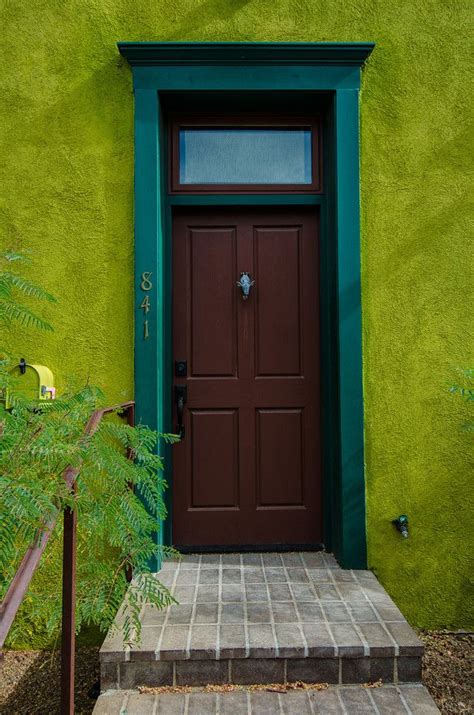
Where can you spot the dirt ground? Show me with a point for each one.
(448, 670)
(29, 681)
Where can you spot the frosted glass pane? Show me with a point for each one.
(245, 156)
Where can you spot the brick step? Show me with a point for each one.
(247, 671)
(386, 700)
(259, 618)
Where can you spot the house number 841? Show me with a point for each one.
(145, 305)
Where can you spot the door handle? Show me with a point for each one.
(181, 397)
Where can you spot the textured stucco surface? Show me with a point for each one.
(66, 113)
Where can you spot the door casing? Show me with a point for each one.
(332, 68)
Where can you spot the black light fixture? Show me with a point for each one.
(401, 524)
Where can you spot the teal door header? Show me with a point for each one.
(176, 66)
(254, 67)
(246, 53)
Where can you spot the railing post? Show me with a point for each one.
(22, 578)
(68, 646)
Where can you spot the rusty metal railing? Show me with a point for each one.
(22, 578)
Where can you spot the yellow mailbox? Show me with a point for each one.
(34, 382)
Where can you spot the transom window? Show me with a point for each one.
(234, 157)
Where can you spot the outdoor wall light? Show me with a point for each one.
(401, 523)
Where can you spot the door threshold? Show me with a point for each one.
(248, 548)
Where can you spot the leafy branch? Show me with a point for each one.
(11, 285)
(119, 500)
(116, 523)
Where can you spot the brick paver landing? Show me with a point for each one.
(260, 618)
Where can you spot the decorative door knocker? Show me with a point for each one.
(245, 283)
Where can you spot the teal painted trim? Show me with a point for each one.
(328, 343)
(340, 271)
(245, 53)
(148, 257)
(351, 492)
(326, 373)
(246, 200)
(166, 356)
(223, 78)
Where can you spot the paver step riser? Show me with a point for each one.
(337, 700)
(248, 671)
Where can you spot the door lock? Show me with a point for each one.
(181, 368)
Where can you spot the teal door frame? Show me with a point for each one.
(333, 68)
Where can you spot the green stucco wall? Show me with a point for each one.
(66, 177)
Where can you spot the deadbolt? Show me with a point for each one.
(180, 368)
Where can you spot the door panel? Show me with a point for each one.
(213, 317)
(277, 272)
(279, 448)
(248, 469)
(215, 459)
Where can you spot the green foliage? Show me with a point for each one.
(116, 523)
(11, 285)
(118, 498)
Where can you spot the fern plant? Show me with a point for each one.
(118, 500)
(12, 285)
(116, 523)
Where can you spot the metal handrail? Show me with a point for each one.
(22, 578)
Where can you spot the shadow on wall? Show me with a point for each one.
(203, 15)
(349, 301)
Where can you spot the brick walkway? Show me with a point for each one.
(259, 618)
(343, 700)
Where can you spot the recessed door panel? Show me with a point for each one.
(213, 315)
(277, 253)
(247, 471)
(279, 450)
(215, 460)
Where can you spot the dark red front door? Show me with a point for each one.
(247, 471)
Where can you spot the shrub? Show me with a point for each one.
(119, 500)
